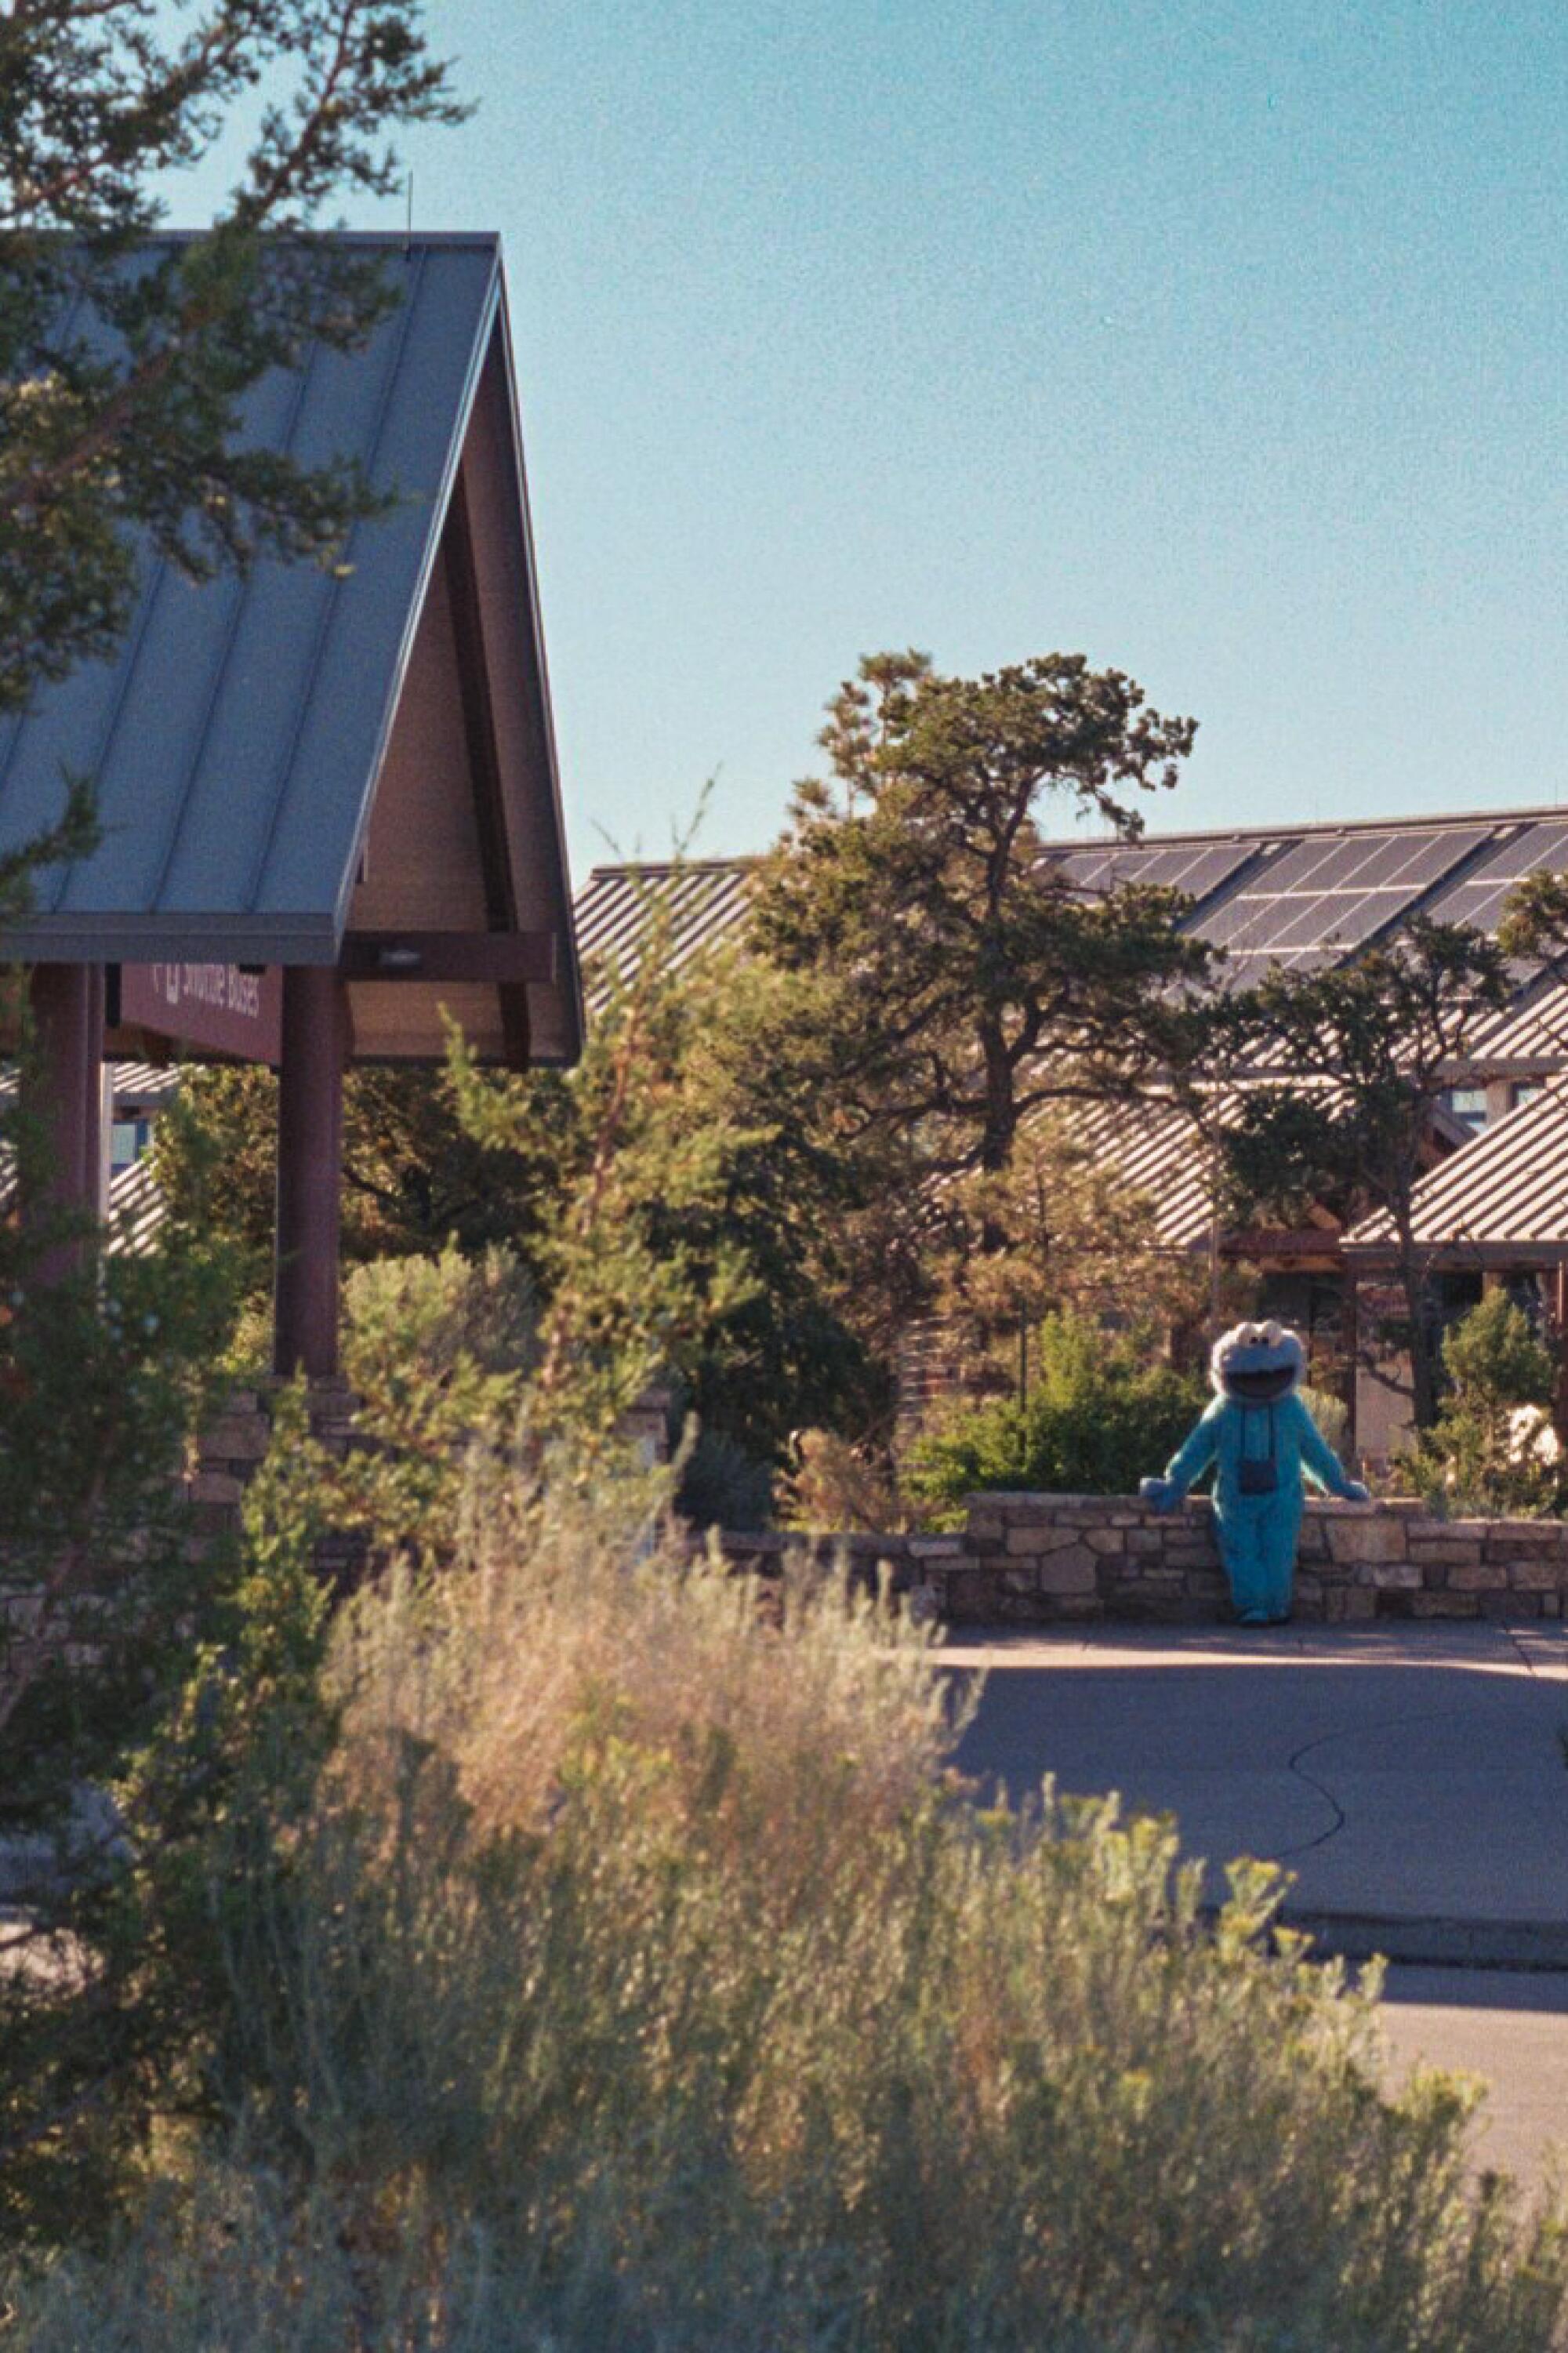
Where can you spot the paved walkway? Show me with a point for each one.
(1510, 2029)
(1411, 1777)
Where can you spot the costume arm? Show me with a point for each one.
(1193, 1459)
(1320, 1461)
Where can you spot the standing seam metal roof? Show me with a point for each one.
(1502, 1189)
(1156, 1151)
(708, 902)
(1506, 1193)
(237, 734)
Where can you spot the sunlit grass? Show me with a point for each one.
(640, 1982)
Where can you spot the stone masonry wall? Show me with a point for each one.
(1032, 1559)
(211, 1493)
(213, 1490)
(1041, 1560)
(231, 1450)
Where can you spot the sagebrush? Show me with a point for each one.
(625, 1969)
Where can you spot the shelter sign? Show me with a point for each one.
(216, 1008)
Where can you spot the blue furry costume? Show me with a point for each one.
(1262, 1438)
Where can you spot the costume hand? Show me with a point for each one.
(1159, 1493)
(1352, 1492)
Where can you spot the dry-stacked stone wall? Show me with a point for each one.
(1042, 1560)
(211, 1492)
(233, 1448)
(1025, 1559)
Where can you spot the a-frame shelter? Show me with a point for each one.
(328, 800)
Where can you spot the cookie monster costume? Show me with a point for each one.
(1262, 1438)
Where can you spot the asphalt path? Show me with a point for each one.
(1411, 1778)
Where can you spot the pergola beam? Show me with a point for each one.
(507, 959)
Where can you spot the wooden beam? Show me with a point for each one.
(508, 959)
(310, 1169)
(1283, 1245)
(1350, 1344)
(484, 755)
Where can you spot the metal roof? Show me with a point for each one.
(136, 1208)
(1476, 898)
(1152, 1148)
(136, 1086)
(1502, 1199)
(706, 900)
(238, 734)
(1201, 868)
(1321, 897)
(1301, 896)
(1527, 1039)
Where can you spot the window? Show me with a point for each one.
(128, 1140)
(1467, 1105)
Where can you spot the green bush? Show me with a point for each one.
(1492, 1449)
(626, 1975)
(1101, 1416)
(722, 1486)
(107, 1373)
(433, 1312)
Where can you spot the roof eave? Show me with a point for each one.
(436, 525)
(247, 939)
(1448, 1257)
(568, 983)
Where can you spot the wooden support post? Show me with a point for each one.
(310, 1169)
(64, 1092)
(1560, 1320)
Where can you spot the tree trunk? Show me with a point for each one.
(1001, 1115)
(1422, 1355)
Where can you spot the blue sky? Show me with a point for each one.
(1226, 342)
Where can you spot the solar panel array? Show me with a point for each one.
(1199, 867)
(1297, 899)
(1326, 894)
(1477, 897)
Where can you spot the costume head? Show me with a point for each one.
(1257, 1364)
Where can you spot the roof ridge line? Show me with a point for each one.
(1284, 830)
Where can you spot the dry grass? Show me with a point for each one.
(551, 1650)
(638, 1983)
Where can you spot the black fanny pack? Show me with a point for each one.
(1258, 1474)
